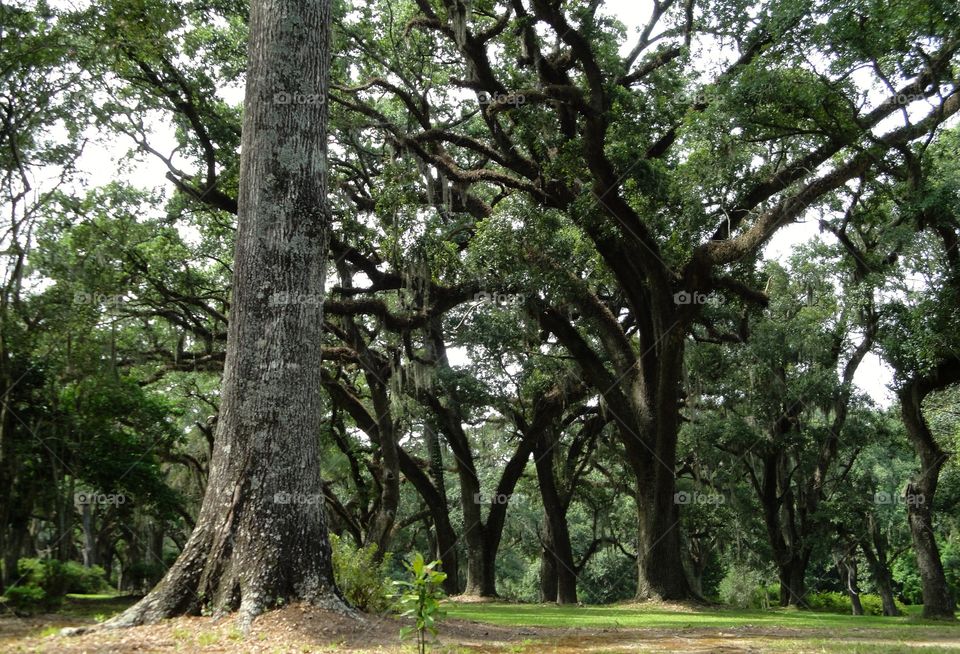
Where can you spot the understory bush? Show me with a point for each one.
(26, 600)
(42, 583)
(360, 576)
(746, 588)
(88, 581)
(836, 602)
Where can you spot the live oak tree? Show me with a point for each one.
(673, 182)
(38, 91)
(920, 341)
(791, 431)
(260, 539)
(452, 174)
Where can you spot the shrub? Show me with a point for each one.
(41, 586)
(26, 600)
(48, 574)
(834, 602)
(360, 576)
(829, 602)
(44, 582)
(88, 581)
(745, 588)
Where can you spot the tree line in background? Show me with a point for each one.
(554, 355)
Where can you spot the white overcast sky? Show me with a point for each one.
(101, 164)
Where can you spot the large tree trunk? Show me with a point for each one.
(659, 560)
(791, 574)
(548, 570)
(937, 602)
(261, 539)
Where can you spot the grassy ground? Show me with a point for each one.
(499, 628)
(672, 616)
(666, 627)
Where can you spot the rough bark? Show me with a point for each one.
(260, 539)
(659, 561)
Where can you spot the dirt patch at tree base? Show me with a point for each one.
(297, 628)
(301, 628)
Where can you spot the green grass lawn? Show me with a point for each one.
(615, 629)
(99, 607)
(643, 617)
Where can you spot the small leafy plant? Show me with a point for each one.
(361, 577)
(420, 599)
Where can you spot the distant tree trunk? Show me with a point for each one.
(153, 554)
(497, 516)
(470, 504)
(791, 574)
(847, 567)
(874, 550)
(260, 538)
(482, 540)
(388, 470)
(548, 571)
(695, 563)
(435, 460)
(937, 602)
(89, 536)
(557, 535)
(13, 547)
(63, 546)
(783, 533)
(132, 578)
(105, 550)
(440, 515)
